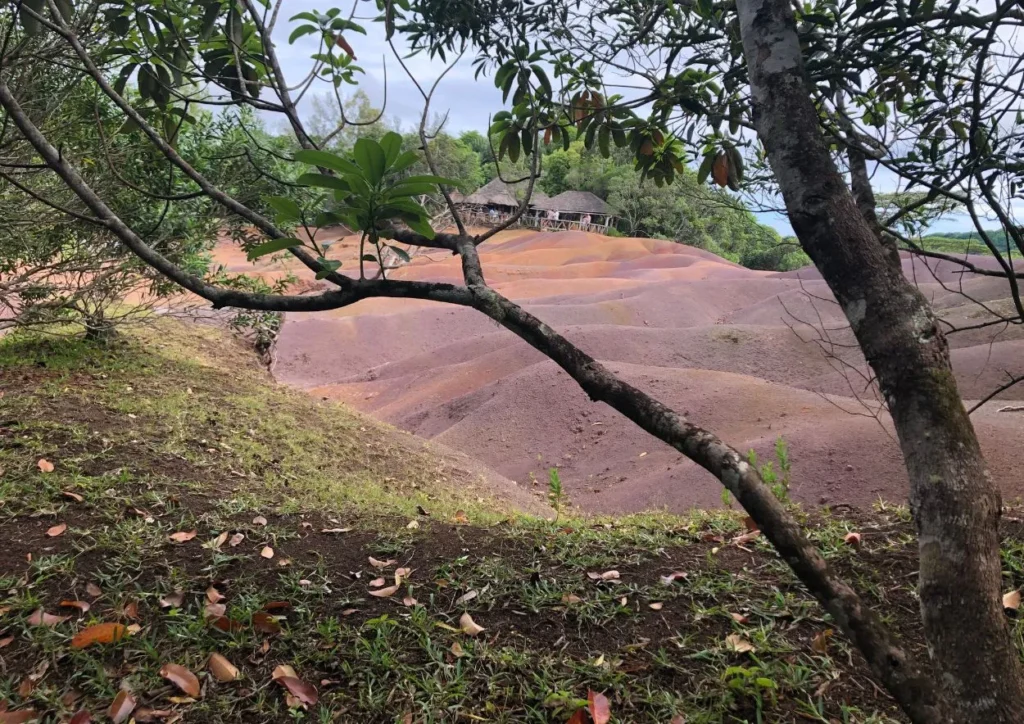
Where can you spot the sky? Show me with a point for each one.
(468, 102)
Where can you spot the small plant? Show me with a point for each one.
(555, 494)
(750, 682)
(777, 481)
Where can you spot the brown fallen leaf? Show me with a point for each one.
(283, 670)
(1011, 600)
(183, 535)
(469, 626)
(222, 669)
(259, 520)
(671, 578)
(57, 530)
(377, 582)
(172, 600)
(606, 576)
(409, 601)
(750, 524)
(349, 611)
(461, 517)
(213, 595)
(130, 610)
(236, 539)
(81, 717)
(656, 606)
(93, 590)
(457, 650)
(214, 610)
(225, 624)
(217, 542)
(305, 693)
(579, 717)
(18, 717)
(122, 707)
(385, 592)
(39, 617)
(101, 633)
(852, 540)
(571, 598)
(740, 618)
(82, 606)
(144, 714)
(267, 552)
(182, 678)
(26, 687)
(69, 698)
(402, 573)
(277, 606)
(45, 465)
(413, 525)
(742, 540)
(72, 496)
(819, 644)
(134, 628)
(6, 641)
(265, 623)
(382, 564)
(466, 597)
(737, 643)
(600, 708)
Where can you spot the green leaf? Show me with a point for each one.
(421, 226)
(300, 31)
(285, 207)
(391, 144)
(402, 253)
(272, 246)
(325, 159)
(404, 161)
(327, 267)
(322, 180)
(705, 168)
(370, 157)
(406, 189)
(370, 257)
(603, 139)
(428, 179)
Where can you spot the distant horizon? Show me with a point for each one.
(949, 223)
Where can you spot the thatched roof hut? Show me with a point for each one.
(498, 193)
(576, 202)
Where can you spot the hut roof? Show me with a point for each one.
(498, 193)
(576, 202)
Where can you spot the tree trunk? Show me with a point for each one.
(955, 503)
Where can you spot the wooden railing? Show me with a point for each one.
(444, 220)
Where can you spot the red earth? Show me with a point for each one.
(740, 352)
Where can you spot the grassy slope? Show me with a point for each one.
(175, 429)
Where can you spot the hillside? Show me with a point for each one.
(740, 351)
(177, 529)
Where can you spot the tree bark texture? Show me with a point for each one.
(955, 502)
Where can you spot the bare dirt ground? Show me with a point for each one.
(739, 351)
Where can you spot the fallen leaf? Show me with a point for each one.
(469, 626)
(413, 525)
(172, 600)
(578, 717)
(236, 539)
(671, 578)
(26, 687)
(740, 618)
(82, 606)
(283, 670)
(606, 576)
(214, 610)
(1011, 600)
(466, 597)
(217, 542)
(122, 707)
(349, 611)
(6, 641)
(222, 669)
(72, 496)
(18, 717)
(678, 719)
(225, 624)
(335, 531)
(623, 601)
(741, 540)
(656, 606)
(267, 552)
(385, 592)
(101, 633)
(131, 610)
(183, 535)
(600, 709)
(409, 601)
(45, 465)
(265, 622)
(819, 643)
(69, 698)
(457, 650)
(571, 598)
(134, 628)
(422, 511)
(461, 517)
(382, 564)
(852, 539)
(259, 520)
(145, 714)
(81, 717)
(401, 574)
(750, 524)
(737, 643)
(213, 595)
(57, 530)
(377, 582)
(182, 678)
(277, 606)
(306, 693)
(40, 618)
(93, 590)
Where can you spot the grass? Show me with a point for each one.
(175, 429)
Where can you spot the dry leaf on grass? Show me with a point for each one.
(236, 539)
(214, 610)
(413, 525)
(571, 598)
(606, 576)
(737, 643)
(852, 540)
(213, 595)
(277, 606)
(377, 582)
(267, 552)
(6, 641)
(1011, 600)
(409, 601)
(81, 717)
(740, 618)
(57, 530)
(382, 564)
(172, 600)
(671, 578)
(461, 517)
(742, 540)
(283, 670)
(259, 520)
(303, 692)
(335, 531)
(122, 707)
(39, 617)
(72, 496)
(82, 606)
(466, 597)
(18, 717)
(265, 623)
(222, 669)
(93, 590)
(144, 715)
(457, 650)
(217, 542)
(819, 644)
(101, 633)
(182, 678)
(182, 536)
(600, 709)
(45, 465)
(131, 610)
(386, 592)
(469, 626)
(656, 606)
